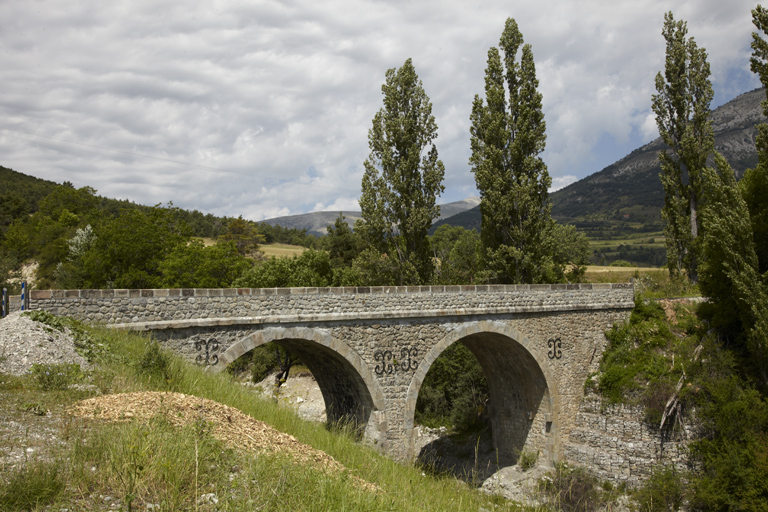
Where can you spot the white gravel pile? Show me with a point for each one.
(24, 342)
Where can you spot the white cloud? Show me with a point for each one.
(263, 109)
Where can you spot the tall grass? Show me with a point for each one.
(187, 469)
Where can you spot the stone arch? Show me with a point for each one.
(524, 404)
(349, 389)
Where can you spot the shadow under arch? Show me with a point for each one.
(347, 384)
(524, 403)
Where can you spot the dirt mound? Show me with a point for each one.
(229, 425)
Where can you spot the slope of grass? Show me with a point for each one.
(186, 468)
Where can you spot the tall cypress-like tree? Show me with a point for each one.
(754, 183)
(682, 115)
(508, 135)
(403, 176)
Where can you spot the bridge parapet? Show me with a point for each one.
(178, 308)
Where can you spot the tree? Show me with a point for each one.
(129, 249)
(193, 265)
(342, 244)
(403, 175)
(682, 115)
(244, 235)
(508, 135)
(754, 183)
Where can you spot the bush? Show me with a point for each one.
(662, 492)
(56, 377)
(158, 365)
(572, 489)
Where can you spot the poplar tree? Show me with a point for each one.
(403, 177)
(682, 116)
(508, 135)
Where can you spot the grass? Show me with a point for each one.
(281, 250)
(186, 468)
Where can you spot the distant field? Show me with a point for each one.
(599, 274)
(281, 250)
(276, 250)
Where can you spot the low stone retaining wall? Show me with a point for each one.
(614, 442)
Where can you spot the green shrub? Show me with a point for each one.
(56, 377)
(527, 459)
(158, 365)
(572, 489)
(662, 492)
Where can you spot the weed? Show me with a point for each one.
(34, 484)
(56, 377)
(527, 459)
(572, 489)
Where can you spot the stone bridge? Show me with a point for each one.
(371, 348)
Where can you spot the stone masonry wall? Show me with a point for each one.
(614, 442)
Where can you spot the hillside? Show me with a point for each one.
(316, 222)
(632, 187)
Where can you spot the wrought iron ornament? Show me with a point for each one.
(555, 348)
(211, 346)
(390, 365)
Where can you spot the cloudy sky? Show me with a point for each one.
(262, 107)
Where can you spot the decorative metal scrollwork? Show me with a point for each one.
(409, 355)
(384, 367)
(555, 348)
(389, 364)
(210, 358)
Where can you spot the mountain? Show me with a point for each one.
(632, 187)
(316, 223)
(629, 191)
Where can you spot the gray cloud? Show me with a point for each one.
(263, 109)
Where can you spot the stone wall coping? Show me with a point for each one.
(358, 315)
(360, 290)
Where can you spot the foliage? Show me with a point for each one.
(244, 235)
(527, 459)
(572, 489)
(158, 365)
(570, 250)
(195, 266)
(636, 362)
(682, 115)
(129, 249)
(403, 176)
(664, 491)
(732, 453)
(342, 244)
(456, 252)
(508, 135)
(8, 274)
(53, 377)
(372, 268)
(454, 392)
(311, 268)
(728, 249)
(293, 236)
